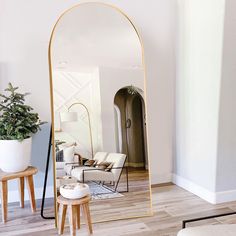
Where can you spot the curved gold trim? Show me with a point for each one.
(89, 120)
(52, 107)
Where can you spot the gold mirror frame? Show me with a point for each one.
(52, 105)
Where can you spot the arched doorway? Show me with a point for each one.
(131, 126)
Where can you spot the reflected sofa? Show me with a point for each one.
(85, 173)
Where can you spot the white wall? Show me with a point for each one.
(83, 87)
(199, 54)
(25, 27)
(226, 174)
(111, 81)
(97, 91)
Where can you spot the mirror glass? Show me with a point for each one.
(99, 110)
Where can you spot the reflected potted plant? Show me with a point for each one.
(17, 125)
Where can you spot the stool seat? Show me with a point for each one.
(74, 213)
(8, 176)
(69, 202)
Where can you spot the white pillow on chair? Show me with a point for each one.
(68, 154)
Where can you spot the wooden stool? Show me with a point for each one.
(74, 213)
(4, 177)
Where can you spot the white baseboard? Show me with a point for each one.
(225, 196)
(205, 194)
(13, 196)
(194, 188)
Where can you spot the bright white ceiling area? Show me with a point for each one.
(92, 35)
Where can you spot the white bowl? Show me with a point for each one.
(74, 191)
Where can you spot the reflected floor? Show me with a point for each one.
(134, 203)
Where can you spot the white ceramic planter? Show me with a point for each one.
(15, 155)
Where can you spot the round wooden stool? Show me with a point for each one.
(74, 213)
(4, 177)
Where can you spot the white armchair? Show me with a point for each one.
(100, 156)
(84, 173)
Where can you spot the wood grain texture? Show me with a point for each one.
(30, 185)
(4, 193)
(134, 203)
(21, 191)
(87, 216)
(171, 205)
(72, 219)
(61, 218)
(78, 217)
(74, 206)
(73, 202)
(4, 177)
(8, 176)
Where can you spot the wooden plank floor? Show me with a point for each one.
(171, 205)
(136, 202)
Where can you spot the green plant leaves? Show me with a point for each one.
(17, 121)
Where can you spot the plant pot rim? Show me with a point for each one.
(8, 140)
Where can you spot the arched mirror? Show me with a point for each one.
(98, 110)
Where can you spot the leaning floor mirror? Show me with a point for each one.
(98, 110)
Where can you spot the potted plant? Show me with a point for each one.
(17, 125)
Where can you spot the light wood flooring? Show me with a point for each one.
(171, 205)
(134, 203)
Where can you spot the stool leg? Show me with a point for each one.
(72, 217)
(87, 217)
(30, 185)
(62, 218)
(78, 216)
(4, 200)
(21, 191)
(58, 207)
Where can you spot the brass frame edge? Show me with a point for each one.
(52, 107)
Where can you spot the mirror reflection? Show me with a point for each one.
(99, 111)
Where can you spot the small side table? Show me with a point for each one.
(74, 213)
(28, 174)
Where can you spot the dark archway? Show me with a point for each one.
(131, 127)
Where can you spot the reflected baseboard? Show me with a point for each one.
(135, 165)
(162, 185)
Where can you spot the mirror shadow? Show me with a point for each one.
(99, 110)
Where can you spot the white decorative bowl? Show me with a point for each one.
(74, 191)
